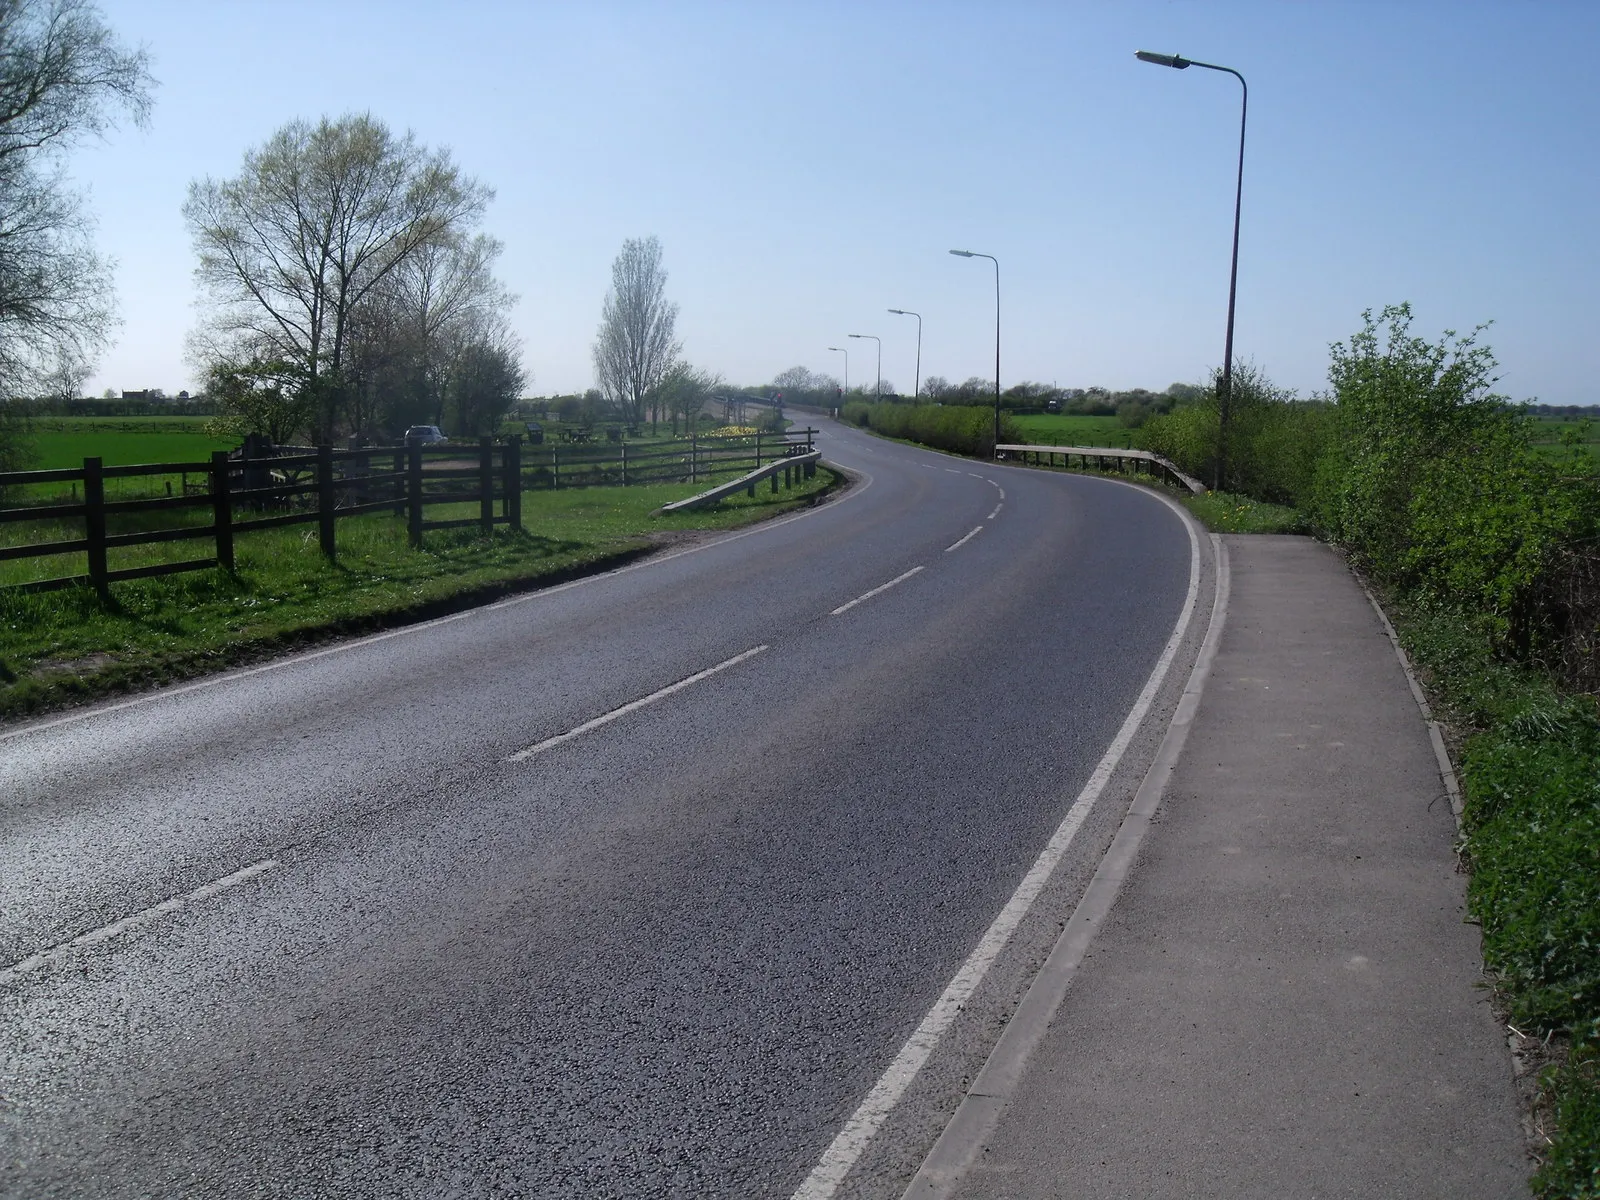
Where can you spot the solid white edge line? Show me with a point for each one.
(868, 1118)
(634, 705)
(976, 1116)
(421, 626)
(134, 921)
(964, 540)
(882, 587)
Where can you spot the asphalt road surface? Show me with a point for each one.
(633, 887)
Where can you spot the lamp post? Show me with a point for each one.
(1225, 400)
(846, 353)
(878, 394)
(996, 262)
(916, 386)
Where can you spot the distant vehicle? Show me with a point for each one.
(1052, 406)
(426, 434)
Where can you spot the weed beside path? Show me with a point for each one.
(58, 648)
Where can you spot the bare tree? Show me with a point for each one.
(317, 220)
(64, 78)
(635, 347)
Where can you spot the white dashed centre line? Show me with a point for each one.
(882, 587)
(136, 921)
(964, 540)
(633, 706)
(996, 511)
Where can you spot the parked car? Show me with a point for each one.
(426, 434)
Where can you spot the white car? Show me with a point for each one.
(426, 434)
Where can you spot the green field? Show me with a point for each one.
(1548, 433)
(62, 442)
(1055, 429)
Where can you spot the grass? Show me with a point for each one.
(1530, 762)
(1059, 429)
(1224, 512)
(58, 647)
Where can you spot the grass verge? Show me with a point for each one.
(58, 648)
(1224, 512)
(1529, 756)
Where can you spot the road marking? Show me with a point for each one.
(633, 705)
(952, 471)
(137, 921)
(869, 1116)
(996, 511)
(964, 540)
(975, 475)
(882, 587)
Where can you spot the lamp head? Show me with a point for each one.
(854, 335)
(1178, 62)
(899, 312)
(962, 253)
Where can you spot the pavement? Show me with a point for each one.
(1285, 999)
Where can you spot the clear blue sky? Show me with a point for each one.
(807, 166)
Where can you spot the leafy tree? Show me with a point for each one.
(64, 79)
(317, 222)
(485, 379)
(684, 393)
(263, 396)
(636, 346)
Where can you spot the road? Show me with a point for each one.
(633, 887)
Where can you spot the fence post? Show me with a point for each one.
(414, 491)
(513, 458)
(399, 484)
(758, 449)
(624, 464)
(486, 484)
(325, 513)
(94, 524)
(555, 468)
(694, 456)
(221, 509)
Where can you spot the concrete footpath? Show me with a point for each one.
(1285, 1000)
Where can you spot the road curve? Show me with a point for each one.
(633, 887)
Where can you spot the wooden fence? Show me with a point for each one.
(306, 485)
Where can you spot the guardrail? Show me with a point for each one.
(791, 468)
(1102, 454)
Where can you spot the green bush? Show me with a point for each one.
(1275, 442)
(960, 429)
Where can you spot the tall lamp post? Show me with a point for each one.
(846, 353)
(996, 262)
(878, 394)
(916, 386)
(1225, 400)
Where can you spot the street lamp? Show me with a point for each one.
(879, 393)
(1225, 400)
(916, 386)
(996, 262)
(846, 354)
